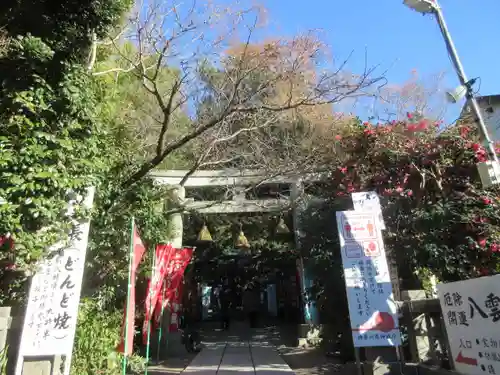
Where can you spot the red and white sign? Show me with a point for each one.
(371, 249)
(170, 298)
(368, 201)
(372, 310)
(359, 227)
(175, 276)
(163, 254)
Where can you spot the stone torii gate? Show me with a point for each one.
(239, 181)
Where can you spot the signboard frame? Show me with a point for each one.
(471, 315)
(372, 309)
(54, 297)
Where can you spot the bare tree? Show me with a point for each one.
(246, 88)
(424, 95)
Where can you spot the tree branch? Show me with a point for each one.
(93, 52)
(203, 156)
(167, 113)
(114, 70)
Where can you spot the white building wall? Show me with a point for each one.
(491, 114)
(492, 120)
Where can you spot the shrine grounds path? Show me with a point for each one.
(260, 351)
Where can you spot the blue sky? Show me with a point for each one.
(399, 38)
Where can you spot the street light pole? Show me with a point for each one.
(452, 51)
(432, 6)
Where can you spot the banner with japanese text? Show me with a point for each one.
(172, 296)
(471, 312)
(372, 310)
(173, 290)
(163, 253)
(175, 309)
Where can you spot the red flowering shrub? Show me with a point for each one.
(437, 214)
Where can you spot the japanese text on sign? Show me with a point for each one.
(372, 309)
(53, 305)
(51, 314)
(370, 202)
(471, 311)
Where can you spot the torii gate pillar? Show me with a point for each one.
(175, 223)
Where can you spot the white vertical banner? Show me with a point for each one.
(368, 201)
(52, 311)
(372, 309)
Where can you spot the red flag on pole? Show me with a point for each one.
(163, 254)
(171, 296)
(173, 290)
(137, 250)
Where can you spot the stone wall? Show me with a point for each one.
(10, 334)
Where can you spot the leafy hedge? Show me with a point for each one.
(97, 335)
(437, 213)
(52, 146)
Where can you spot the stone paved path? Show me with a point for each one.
(246, 358)
(261, 351)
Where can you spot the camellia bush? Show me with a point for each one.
(438, 215)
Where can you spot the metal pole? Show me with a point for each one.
(153, 273)
(452, 51)
(359, 366)
(129, 291)
(161, 324)
(295, 193)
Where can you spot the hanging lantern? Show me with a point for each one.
(204, 234)
(282, 228)
(241, 241)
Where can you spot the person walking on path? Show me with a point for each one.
(224, 305)
(251, 305)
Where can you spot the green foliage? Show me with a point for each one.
(65, 25)
(319, 247)
(97, 335)
(129, 113)
(424, 275)
(109, 238)
(133, 111)
(56, 139)
(269, 252)
(52, 147)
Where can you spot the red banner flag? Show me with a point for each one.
(173, 290)
(163, 254)
(137, 250)
(171, 296)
